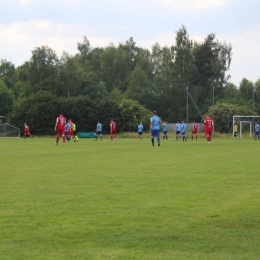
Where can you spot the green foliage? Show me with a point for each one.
(157, 79)
(246, 89)
(223, 114)
(6, 99)
(132, 113)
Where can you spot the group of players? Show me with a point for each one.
(180, 129)
(68, 130)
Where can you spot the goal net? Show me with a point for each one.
(245, 125)
(7, 130)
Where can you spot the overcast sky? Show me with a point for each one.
(60, 24)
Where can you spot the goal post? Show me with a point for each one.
(7, 130)
(243, 121)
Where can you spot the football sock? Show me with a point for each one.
(158, 140)
(63, 138)
(57, 139)
(152, 139)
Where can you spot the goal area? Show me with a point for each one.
(7, 130)
(245, 124)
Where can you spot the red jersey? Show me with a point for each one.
(61, 122)
(195, 127)
(71, 127)
(26, 128)
(113, 125)
(208, 124)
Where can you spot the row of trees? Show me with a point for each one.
(157, 79)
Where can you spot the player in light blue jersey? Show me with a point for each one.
(256, 131)
(155, 124)
(140, 130)
(99, 131)
(67, 130)
(165, 129)
(183, 131)
(178, 131)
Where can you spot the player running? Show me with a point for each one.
(208, 128)
(27, 131)
(60, 128)
(71, 132)
(194, 130)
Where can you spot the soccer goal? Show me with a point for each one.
(7, 130)
(243, 122)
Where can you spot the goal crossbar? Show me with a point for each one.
(244, 120)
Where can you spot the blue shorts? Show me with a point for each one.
(183, 133)
(178, 132)
(165, 132)
(99, 133)
(66, 133)
(140, 133)
(155, 133)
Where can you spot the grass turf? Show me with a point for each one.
(129, 200)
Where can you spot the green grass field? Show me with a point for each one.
(129, 200)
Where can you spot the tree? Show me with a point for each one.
(246, 89)
(43, 73)
(7, 74)
(138, 85)
(84, 48)
(132, 113)
(6, 99)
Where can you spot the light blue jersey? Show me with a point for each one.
(165, 127)
(99, 127)
(67, 127)
(183, 128)
(178, 127)
(155, 121)
(257, 128)
(140, 128)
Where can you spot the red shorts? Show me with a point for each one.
(71, 133)
(61, 131)
(208, 133)
(195, 132)
(113, 132)
(27, 131)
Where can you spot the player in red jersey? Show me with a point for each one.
(208, 128)
(194, 131)
(60, 128)
(113, 130)
(71, 132)
(26, 131)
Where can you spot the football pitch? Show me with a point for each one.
(129, 200)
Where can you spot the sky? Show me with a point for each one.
(61, 24)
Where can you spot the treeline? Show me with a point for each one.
(93, 84)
